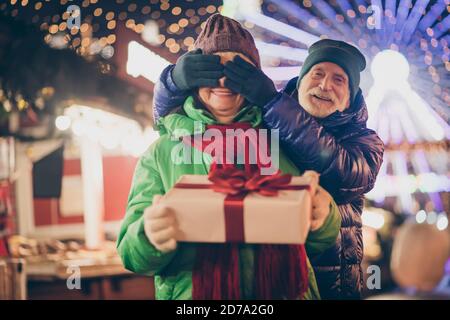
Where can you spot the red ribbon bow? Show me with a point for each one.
(233, 181)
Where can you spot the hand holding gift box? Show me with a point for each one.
(321, 202)
(228, 206)
(160, 226)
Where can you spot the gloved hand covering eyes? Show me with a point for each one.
(249, 81)
(194, 69)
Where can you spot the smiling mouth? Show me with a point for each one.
(322, 98)
(222, 92)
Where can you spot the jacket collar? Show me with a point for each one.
(192, 118)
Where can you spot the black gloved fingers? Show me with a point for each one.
(196, 51)
(210, 83)
(233, 85)
(204, 58)
(243, 73)
(209, 74)
(208, 66)
(244, 64)
(189, 54)
(230, 74)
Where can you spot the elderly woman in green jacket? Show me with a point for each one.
(184, 270)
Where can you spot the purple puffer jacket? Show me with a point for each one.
(341, 148)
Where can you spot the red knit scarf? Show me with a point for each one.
(280, 270)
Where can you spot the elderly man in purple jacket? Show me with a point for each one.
(321, 117)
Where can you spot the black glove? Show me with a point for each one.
(194, 69)
(249, 81)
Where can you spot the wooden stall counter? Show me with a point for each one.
(70, 272)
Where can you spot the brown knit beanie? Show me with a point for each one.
(225, 34)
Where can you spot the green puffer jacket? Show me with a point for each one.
(156, 173)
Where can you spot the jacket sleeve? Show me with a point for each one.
(166, 94)
(348, 167)
(137, 253)
(323, 238)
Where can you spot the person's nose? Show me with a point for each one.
(325, 84)
(222, 82)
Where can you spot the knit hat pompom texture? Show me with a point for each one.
(341, 53)
(225, 34)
